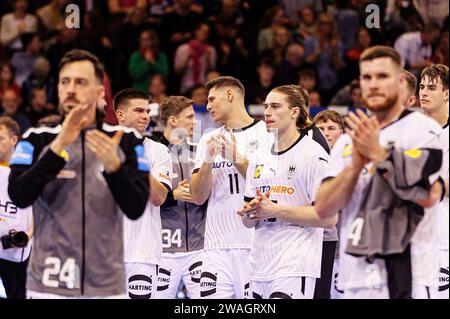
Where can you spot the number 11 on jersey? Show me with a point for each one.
(232, 183)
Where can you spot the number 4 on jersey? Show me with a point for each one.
(356, 230)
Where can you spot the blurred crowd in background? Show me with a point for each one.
(172, 47)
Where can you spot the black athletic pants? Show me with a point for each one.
(14, 276)
(323, 284)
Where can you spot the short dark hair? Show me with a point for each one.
(331, 115)
(430, 27)
(381, 51)
(308, 73)
(222, 81)
(122, 98)
(27, 37)
(10, 125)
(82, 55)
(296, 96)
(411, 81)
(172, 106)
(436, 71)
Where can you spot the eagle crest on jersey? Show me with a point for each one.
(291, 170)
(258, 170)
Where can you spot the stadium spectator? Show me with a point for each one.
(38, 106)
(195, 58)
(125, 6)
(7, 75)
(273, 18)
(147, 61)
(325, 51)
(40, 77)
(10, 104)
(307, 79)
(52, 15)
(258, 89)
(287, 71)
(416, 48)
(441, 54)
(23, 61)
(351, 69)
(307, 24)
(158, 88)
(199, 95)
(14, 24)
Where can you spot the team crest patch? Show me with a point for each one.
(291, 170)
(253, 146)
(23, 154)
(258, 170)
(141, 159)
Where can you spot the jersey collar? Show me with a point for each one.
(235, 130)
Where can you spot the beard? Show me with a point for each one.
(386, 105)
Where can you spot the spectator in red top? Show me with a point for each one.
(351, 59)
(125, 6)
(7, 76)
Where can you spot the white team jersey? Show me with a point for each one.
(293, 176)
(444, 205)
(355, 272)
(224, 228)
(143, 236)
(13, 217)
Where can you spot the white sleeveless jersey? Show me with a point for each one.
(224, 228)
(143, 236)
(444, 205)
(411, 130)
(293, 176)
(13, 217)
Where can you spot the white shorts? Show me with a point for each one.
(44, 295)
(335, 292)
(225, 274)
(442, 291)
(422, 292)
(381, 292)
(177, 267)
(141, 280)
(284, 288)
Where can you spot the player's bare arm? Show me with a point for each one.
(300, 215)
(334, 194)
(158, 192)
(201, 181)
